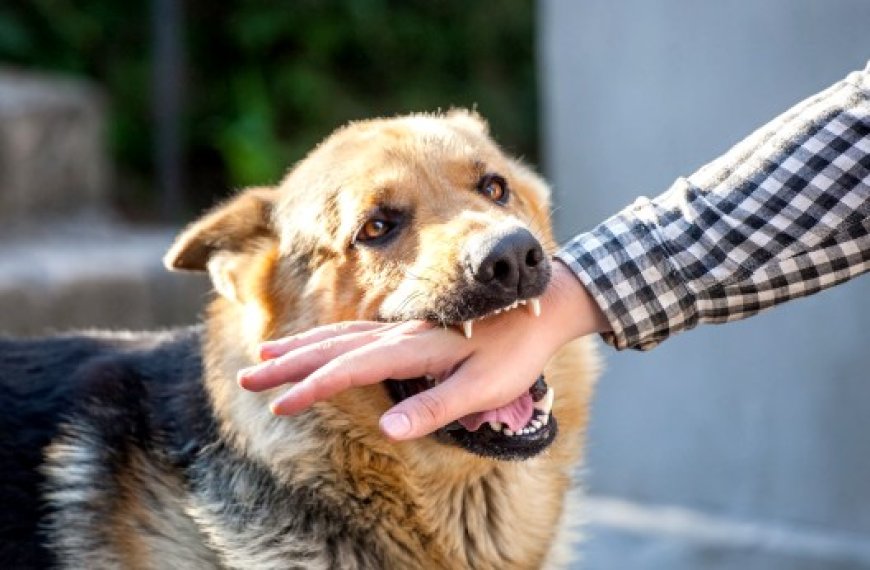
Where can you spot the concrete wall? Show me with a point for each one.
(744, 446)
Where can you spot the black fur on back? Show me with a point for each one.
(145, 393)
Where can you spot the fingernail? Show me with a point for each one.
(266, 352)
(242, 375)
(396, 425)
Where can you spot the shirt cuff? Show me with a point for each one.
(626, 269)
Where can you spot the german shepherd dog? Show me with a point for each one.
(128, 450)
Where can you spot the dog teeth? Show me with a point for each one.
(466, 328)
(495, 426)
(545, 419)
(546, 403)
(508, 432)
(537, 424)
(532, 305)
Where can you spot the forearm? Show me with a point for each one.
(781, 215)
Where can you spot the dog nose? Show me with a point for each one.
(511, 261)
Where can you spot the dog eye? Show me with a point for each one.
(374, 229)
(494, 187)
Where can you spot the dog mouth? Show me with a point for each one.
(518, 430)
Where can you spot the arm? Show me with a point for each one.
(782, 215)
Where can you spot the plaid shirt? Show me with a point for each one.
(783, 214)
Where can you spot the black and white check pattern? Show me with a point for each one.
(783, 214)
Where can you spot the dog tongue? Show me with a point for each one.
(515, 414)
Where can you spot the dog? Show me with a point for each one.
(139, 450)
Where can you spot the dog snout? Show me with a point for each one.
(513, 262)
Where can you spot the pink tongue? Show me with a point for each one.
(515, 414)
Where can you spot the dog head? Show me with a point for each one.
(416, 217)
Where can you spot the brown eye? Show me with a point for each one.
(494, 187)
(375, 228)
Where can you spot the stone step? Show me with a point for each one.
(92, 274)
(52, 146)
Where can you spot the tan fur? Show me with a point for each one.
(281, 260)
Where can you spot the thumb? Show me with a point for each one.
(434, 408)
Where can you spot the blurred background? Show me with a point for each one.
(739, 447)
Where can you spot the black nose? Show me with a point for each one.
(513, 261)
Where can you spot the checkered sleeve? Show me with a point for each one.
(783, 214)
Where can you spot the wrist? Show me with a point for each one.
(573, 311)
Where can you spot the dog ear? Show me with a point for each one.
(214, 242)
(468, 119)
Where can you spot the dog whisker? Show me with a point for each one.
(411, 275)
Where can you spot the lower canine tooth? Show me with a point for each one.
(466, 328)
(546, 403)
(535, 307)
(537, 423)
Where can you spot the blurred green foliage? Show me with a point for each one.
(266, 80)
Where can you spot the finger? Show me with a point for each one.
(464, 392)
(396, 358)
(275, 348)
(298, 363)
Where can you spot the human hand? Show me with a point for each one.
(501, 360)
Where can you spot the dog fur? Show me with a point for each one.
(132, 450)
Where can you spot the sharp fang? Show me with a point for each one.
(537, 424)
(508, 432)
(535, 307)
(546, 403)
(545, 420)
(466, 328)
(495, 426)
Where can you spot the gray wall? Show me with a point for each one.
(759, 429)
